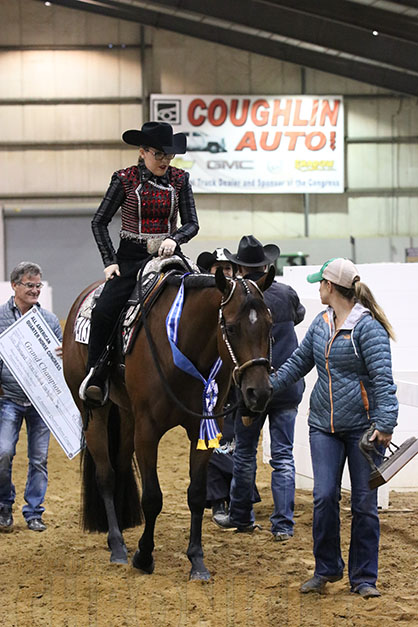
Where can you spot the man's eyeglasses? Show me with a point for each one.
(30, 286)
(159, 156)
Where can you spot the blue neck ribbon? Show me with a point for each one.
(209, 430)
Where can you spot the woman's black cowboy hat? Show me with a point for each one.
(158, 135)
(251, 253)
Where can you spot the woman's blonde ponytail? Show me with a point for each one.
(363, 295)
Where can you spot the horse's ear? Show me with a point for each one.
(221, 280)
(267, 279)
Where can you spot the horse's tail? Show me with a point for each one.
(126, 490)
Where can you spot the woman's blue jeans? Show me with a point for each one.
(282, 429)
(329, 452)
(11, 418)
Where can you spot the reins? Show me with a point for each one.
(259, 361)
(238, 369)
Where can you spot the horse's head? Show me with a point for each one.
(244, 336)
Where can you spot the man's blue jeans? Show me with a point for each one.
(329, 452)
(11, 418)
(282, 429)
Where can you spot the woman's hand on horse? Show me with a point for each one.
(167, 248)
(111, 271)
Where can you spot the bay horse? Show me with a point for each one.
(220, 317)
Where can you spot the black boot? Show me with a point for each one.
(94, 389)
(219, 507)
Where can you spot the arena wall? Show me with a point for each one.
(72, 81)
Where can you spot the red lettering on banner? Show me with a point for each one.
(315, 104)
(322, 140)
(248, 141)
(293, 137)
(332, 114)
(264, 115)
(263, 112)
(277, 110)
(297, 120)
(274, 145)
(233, 114)
(191, 113)
(214, 105)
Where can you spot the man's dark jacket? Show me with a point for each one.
(287, 312)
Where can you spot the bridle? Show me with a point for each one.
(257, 361)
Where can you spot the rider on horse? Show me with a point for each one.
(150, 196)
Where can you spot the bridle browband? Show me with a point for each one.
(258, 361)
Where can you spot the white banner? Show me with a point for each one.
(28, 349)
(258, 144)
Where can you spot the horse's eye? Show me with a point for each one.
(231, 329)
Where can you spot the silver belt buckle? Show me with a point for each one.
(153, 244)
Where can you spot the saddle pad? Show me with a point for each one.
(83, 318)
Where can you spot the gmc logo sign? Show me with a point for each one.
(223, 164)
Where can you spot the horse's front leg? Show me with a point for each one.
(196, 498)
(152, 499)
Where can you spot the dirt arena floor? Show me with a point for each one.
(63, 577)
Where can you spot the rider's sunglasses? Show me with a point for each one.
(30, 285)
(159, 156)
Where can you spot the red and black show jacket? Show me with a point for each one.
(150, 207)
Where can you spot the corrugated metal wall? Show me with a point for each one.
(71, 82)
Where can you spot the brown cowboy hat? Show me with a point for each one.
(158, 135)
(251, 253)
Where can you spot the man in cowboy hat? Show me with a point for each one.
(220, 466)
(152, 196)
(209, 262)
(253, 259)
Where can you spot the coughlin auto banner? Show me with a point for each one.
(258, 144)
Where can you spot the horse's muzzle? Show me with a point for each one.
(257, 398)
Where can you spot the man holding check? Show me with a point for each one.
(26, 281)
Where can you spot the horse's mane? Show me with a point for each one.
(192, 280)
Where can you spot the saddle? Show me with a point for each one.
(391, 464)
(154, 277)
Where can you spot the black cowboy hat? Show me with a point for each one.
(206, 259)
(251, 253)
(158, 135)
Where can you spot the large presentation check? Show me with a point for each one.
(28, 349)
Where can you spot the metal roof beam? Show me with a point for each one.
(366, 72)
(313, 29)
(362, 15)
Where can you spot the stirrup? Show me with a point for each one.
(97, 396)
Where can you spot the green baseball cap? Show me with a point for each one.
(337, 270)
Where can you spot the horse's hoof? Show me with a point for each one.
(138, 563)
(196, 575)
(119, 555)
(118, 560)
